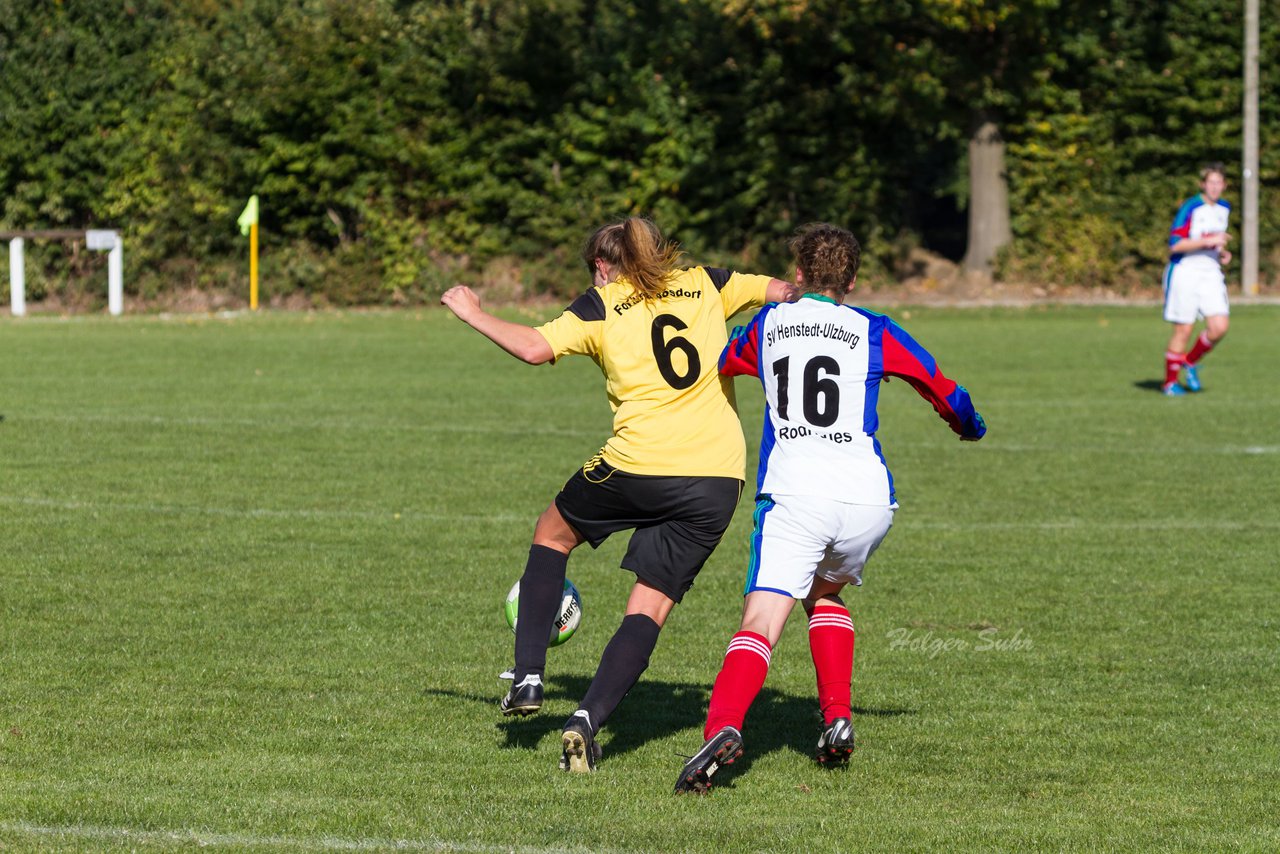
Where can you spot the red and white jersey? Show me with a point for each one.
(821, 364)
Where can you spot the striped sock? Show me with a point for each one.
(746, 664)
(1202, 346)
(1172, 364)
(831, 639)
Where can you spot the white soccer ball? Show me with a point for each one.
(566, 621)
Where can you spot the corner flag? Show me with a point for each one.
(249, 216)
(248, 223)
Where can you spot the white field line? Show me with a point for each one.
(272, 424)
(1127, 449)
(1034, 403)
(185, 838)
(891, 300)
(1088, 525)
(883, 299)
(107, 507)
(993, 446)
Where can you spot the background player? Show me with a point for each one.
(673, 469)
(825, 498)
(1193, 282)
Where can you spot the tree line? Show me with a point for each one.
(400, 146)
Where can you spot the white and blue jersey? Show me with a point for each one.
(821, 364)
(1195, 219)
(1194, 285)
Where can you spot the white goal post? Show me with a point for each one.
(97, 239)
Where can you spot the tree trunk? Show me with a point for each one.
(988, 198)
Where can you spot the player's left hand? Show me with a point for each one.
(982, 429)
(461, 300)
(1224, 257)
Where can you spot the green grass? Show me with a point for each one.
(252, 570)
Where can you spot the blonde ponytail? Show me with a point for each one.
(634, 247)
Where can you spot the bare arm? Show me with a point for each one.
(523, 342)
(1216, 240)
(780, 291)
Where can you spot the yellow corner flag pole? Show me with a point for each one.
(248, 223)
(253, 266)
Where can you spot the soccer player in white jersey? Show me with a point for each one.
(824, 497)
(1194, 286)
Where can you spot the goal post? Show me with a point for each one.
(97, 239)
(105, 240)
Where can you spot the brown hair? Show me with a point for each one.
(1209, 168)
(634, 247)
(829, 256)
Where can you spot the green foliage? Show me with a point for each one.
(394, 144)
(1136, 99)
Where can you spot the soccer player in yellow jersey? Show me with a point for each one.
(672, 470)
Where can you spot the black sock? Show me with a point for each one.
(624, 659)
(541, 589)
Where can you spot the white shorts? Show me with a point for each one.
(1191, 293)
(799, 536)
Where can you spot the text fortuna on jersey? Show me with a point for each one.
(669, 293)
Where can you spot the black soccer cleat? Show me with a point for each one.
(723, 748)
(524, 698)
(835, 744)
(580, 752)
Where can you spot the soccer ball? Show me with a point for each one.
(566, 621)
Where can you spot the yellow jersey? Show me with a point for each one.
(674, 414)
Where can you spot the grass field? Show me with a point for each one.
(252, 569)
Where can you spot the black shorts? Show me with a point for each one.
(678, 521)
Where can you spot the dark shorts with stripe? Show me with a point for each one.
(678, 521)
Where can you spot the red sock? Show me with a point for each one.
(746, 664)
(1203, 345)
(1172, 364)
(831, 640)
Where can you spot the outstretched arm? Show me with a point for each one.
(523, 342)
(904, 358)
(781, 291)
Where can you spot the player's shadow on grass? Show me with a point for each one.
(525, 733)
(1149, 385)
(656, 709)
(780, 721)
(651, 710)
